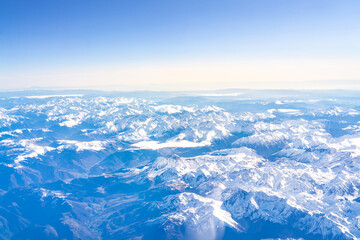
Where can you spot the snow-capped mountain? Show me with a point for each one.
(213, 166)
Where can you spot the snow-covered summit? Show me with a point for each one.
(198, 168)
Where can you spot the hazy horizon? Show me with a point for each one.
(169, 45)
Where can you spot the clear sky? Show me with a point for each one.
(179, 44)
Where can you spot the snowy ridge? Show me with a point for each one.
(130, 168)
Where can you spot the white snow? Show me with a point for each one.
(170, 144)
(82, 146)
(52, 96)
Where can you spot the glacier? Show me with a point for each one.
(241, 164)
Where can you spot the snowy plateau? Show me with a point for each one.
(240, 164)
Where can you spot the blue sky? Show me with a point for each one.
(168, 44)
